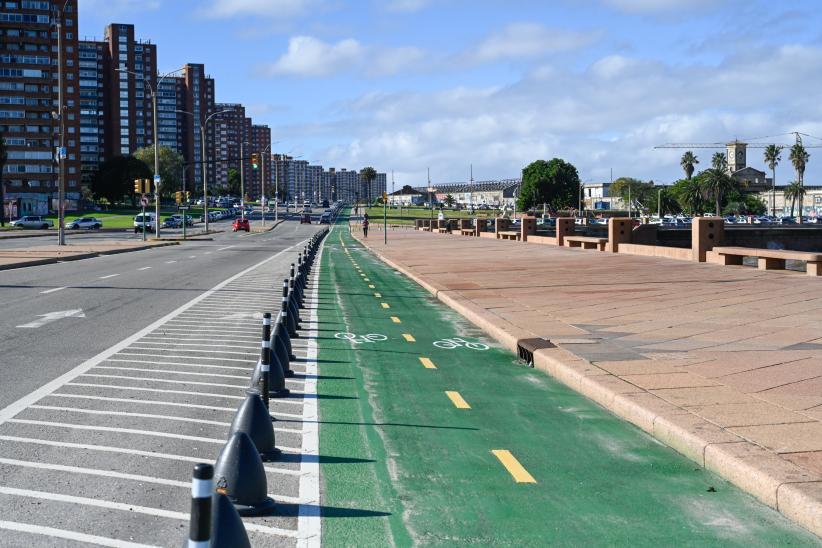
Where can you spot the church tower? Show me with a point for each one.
(737, 156)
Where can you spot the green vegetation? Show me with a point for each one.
(688, 163)
(114, 181)
(367, 177)
(555, 183)
(171, 166)
(407, 215)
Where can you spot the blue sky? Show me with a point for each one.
(408, 84)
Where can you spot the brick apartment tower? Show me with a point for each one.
(28, 92)
(260, 141)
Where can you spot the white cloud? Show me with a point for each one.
(520, 40)
(403, 5)
(267, 8)
(308, 56)
(608, 115)
(659, 6)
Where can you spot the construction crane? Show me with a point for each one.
(745, 143)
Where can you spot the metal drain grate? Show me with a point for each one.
(527, 347)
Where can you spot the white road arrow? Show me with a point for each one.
(54, 316)
(244, 315)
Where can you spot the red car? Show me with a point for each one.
(240, 224)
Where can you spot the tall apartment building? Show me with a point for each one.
(170, 100)
(232, 142)
(260, 145)
(28, 97)
(280, 166)
(132, 75)
(328, 185)
(348, 185)
(197, 99)
(93, 64)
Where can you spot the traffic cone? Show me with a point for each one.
(227, 529)
(240, 475)
(252, 418)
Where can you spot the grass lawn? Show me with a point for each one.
(407, 215)
(123, 218)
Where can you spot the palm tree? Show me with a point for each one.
(716, 183)
(772, 158)
(3, 157)
(367, 176)
(691, 196)
(793, 192)
(719, 161)
(688, 161)
(799, 158)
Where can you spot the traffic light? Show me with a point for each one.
(178, 197)
(138, 186)
(188, 196)
(254, 163)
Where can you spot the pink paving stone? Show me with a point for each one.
(811, 460)
(747, 414)
(728, 363)
(784, 438)
(669, 380)
(774, 376)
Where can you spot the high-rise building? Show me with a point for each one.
(170, 100)
(93, 63)
(132, 75)
(348, 186)
(232, 147)
(260, 145)
(196, 95)
(314, 179)
(281, 165)
(29, 104)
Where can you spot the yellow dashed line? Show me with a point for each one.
(366, 279)
(427, 363)
(378, 295)
(385, 305)
(408, 337)
(513, 466)
(457, 400)
(395, 319)
(371, 287)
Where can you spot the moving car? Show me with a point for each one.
(240, 224)
(325, 218)
(90, 223)
(32, 221)
(149, 222)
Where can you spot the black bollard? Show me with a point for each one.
(227, 529)
(202, 487)
(265, 358)
(239, 474)
(253, 419)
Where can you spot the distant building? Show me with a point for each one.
(750, 179)
(497, 193)
(407, 196)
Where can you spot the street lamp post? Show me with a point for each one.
(157, 181)
(242, 179)
(61, 150)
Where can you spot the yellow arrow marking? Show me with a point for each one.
(427, 363)
(457, 400)
(408, 337)
(513, 466)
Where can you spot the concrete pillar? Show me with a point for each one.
(706, 232)
(619, 232)
(466, 224)
(565, 227)
(528, 228)
(501, 223)
(482, 226)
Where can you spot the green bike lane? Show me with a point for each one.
(403, 463)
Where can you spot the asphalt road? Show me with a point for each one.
(118, 294)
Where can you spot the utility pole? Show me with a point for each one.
(61, 151)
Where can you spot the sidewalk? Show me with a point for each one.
(46, 254)
(722, 364)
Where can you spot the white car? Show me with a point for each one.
(32, 221)
(90, 223)
(150, 223)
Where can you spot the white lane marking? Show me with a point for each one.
(154, 379)
(93, 472)
(156, 390)
(14, 408)
(170, 262)
(207, 253)
(248, 346)
(70, 535)
(308, 521)
(232, 367)
(194, 350)
(53, 290)
(188, 335)
(144, 268)
(118, 430)
(127, 414)
(53, 317)
(109, 276)
(226, 247)
(192, 256)
(175, 356)
(172, 372)
(144, 402)
(157, 512)
(128, 451)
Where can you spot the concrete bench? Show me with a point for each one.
(467, 231)
(586, 242)
(508, 235)
(768, 259)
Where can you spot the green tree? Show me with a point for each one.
(449, 200)
(688, 195)
(114, 179)
(555, 183)
(719, 161)
(688, 163)
(4, 156)
(641, 194)
(367, 176)
(772, 158)
(171, 165)
(793, 192)
(799, 158)
(716, 184)
(233, 186)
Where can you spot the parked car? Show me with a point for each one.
(90, 223)
(174, 221)
(240, 224)
(325, 218)
(32, 221)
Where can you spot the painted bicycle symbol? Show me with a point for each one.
(359, 339)
(456, 342)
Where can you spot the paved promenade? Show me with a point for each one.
(724, 364)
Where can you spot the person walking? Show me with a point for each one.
(365, 226)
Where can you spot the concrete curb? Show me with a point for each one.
(788, 488)
(80, 256)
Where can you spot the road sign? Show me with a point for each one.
(156, 180)
(183, 208)
(144, 201)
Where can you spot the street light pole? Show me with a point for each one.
(61, 152)
(242, 181)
